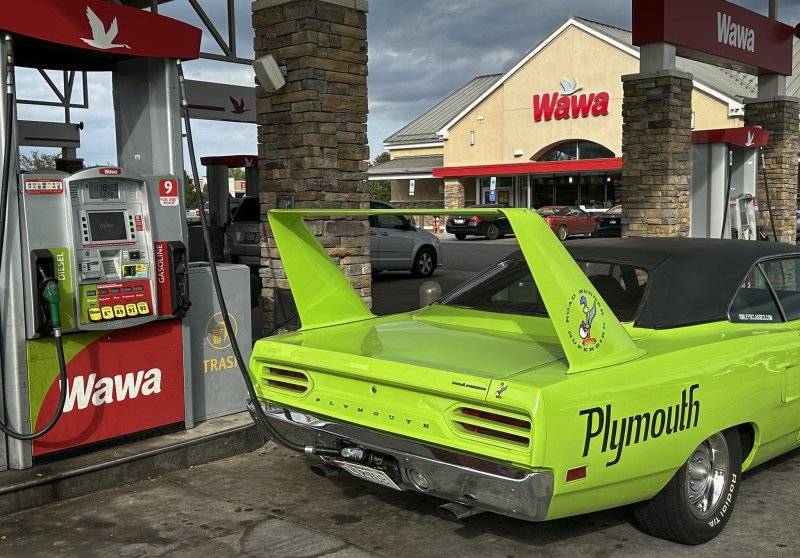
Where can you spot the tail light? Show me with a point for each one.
(493, 425)
(288, 380)
(474, 219)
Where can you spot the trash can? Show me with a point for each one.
(217, 385)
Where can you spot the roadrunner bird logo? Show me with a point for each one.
(585, 329)
(499, 393)
(570, 87)
(101, 38)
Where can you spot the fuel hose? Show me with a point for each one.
(766, 190)
(48, 284)
(273, 433)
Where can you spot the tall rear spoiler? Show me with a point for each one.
(589, 332)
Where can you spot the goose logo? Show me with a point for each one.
(238, 106)
(570, 87)
(101, 38)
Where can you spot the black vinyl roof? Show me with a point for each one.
(691, 280)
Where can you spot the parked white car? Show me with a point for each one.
(396, 244)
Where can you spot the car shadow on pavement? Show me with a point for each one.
(523, 532)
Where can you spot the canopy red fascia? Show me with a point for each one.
(530, 167)
(93, 34)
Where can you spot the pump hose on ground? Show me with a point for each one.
(49, 286)
(277, 436)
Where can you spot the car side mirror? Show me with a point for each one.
(429, 292)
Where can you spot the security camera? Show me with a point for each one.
(268, 73)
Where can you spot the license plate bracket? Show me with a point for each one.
(368, 474)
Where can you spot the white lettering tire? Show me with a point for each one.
(697, 503)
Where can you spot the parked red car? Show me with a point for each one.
(568, 220)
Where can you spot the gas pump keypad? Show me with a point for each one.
(116, 301)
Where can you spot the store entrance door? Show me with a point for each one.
(501, 196)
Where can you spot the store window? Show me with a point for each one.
(573, 150)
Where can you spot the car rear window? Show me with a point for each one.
(754, 302)
(248, 210)
(509, 288)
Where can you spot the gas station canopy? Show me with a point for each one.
(231, 161)
(93, 34)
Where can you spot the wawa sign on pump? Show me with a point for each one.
(569, 103)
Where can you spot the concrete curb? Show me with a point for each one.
(51, 482)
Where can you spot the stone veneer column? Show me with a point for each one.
(453, 193)
(312, 134)
(656, 152)
(781, 117)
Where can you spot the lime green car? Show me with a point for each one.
(563, 380)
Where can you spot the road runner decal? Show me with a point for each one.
(586, 321)
(620, 433)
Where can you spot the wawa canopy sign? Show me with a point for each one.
(716, 32)
(569, 103)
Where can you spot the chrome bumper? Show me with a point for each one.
(453, 476)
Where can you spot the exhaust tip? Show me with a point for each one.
(324, 470)
(456, 512)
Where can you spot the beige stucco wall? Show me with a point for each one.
(425, 190)
(710, 113)
(504, 122)
(416, 152)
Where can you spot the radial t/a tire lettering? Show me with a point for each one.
(698, 501)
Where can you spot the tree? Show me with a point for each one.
(380, 189)
(37, 160)
(236, 173)
(191, 194)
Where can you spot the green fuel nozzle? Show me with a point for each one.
(51, 294)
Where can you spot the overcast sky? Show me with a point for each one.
(419, 51)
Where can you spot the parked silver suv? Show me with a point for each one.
(396, 244)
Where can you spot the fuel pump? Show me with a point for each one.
(94, 266)
(722, 196)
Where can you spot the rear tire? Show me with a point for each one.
(492, 232)
(562, 233)
(697, 503)
(424, 262)
(461, 236)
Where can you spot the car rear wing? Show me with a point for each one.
(590, 334)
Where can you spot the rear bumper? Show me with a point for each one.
(458, 477)
(479, 229)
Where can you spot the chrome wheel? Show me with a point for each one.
(707, 474)
(425, 264)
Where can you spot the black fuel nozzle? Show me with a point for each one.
(48, 290)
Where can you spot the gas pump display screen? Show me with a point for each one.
(107, 225)
(103, 191)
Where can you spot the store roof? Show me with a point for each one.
(728, 83)
(423, 128)
(406, 167)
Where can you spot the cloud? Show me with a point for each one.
(419, 52)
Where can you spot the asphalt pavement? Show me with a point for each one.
(268, 503)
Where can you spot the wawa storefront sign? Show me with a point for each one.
(569, 103)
